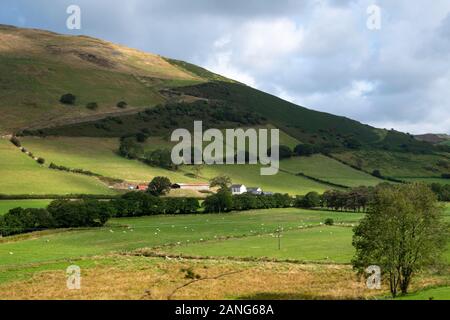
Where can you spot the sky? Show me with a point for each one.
(389, 70)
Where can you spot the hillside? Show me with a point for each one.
(159, 95)
(37, 67)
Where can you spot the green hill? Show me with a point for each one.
(161, 94)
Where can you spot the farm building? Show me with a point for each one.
(254, 190)
(191, 186)
(238, 189)
(142, 187)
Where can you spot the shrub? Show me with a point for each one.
(377, 173)
(92, 106)
(141, 137)
(122, 105)
(40, 160)
(305, 150)
(15, 141)
(160, 158)
(67, 98)
(329, 222)
(446, 176)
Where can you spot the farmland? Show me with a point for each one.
(327, 169)
(22, 175)
(245, 243)
(6, 205)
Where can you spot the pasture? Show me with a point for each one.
(6, 205)
(328, 169)
(22, 175)
(31, 264)
(98, 155)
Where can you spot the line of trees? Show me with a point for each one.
(223, 201)
(58, 214)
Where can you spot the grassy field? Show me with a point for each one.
(397, 164)
(99, 155)
(327, 169)
(440, 293)
(134, 233)
(428, 180)
(6, 205)
(322, 244)
(249, 175)
(79, 153)
(33, 265)
(22, 175)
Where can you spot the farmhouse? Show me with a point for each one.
(191, 186)
(238, 189)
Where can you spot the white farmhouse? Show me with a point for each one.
(238, 189)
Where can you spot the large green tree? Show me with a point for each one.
(159, 186)
(402, 233)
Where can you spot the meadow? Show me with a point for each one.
(103, 159)
(328, 169)
(98, 155)
(397, 164)
(127, 249)
(6, 205)
(22, 175)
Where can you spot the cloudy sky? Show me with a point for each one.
(319, 53)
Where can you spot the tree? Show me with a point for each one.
(15, 141)
(159, 186)
(68, 98)
(311, 200)
(223, 182)
(305, 150)
(402, 233)
(377, 173)
(130, 149)
(92, 105)
(220, 202)
(160, 158)
(122, 105)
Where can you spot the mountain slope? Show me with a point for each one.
(37, 67)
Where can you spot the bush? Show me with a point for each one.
(377, 174)
(67, 98)
(305, 150)
(130, 149)
(15, 141)
(40, 160)
(160, 158)
(446, 176)
(284, 152)
(141, 137)
(122, 105)
(329, 222)
(92, 106)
